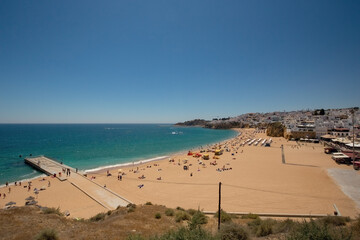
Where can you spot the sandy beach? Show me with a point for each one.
(253, 178)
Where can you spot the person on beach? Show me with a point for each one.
(7, 184)
(4, 195)
(9, 189)
(48, 183)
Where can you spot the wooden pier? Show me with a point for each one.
(48, 166)
(103, 196)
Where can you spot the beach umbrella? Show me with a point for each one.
(10, 203)
(29, 198)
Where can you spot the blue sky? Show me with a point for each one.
(169, 61)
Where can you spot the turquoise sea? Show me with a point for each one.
(89, 146)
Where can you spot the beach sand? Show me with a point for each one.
(258, 182)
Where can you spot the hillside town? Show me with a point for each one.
(308, 124)
(336, 126)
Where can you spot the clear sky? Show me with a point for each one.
(169, 61)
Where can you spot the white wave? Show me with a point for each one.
(23, 178)
(125, 164)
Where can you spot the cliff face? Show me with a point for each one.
(217, 124)
(275, 129)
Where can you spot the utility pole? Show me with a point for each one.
(219, 210)
(353, 125)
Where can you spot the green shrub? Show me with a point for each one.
(181, 216)
(255, 223)
(52, 211)
(233, 231)
(319, 230)
(148, 203)
(224, 216)
(197, 219)
(47, 234)
(98, 217)
(335, 220)
(261, 227)
(157, 215)
(284, 226)
(186, 234)
(169, 212)
(355, 227)
(180, 209)
(131, 207)
(265, 228)
(250, 216)
(191, 211)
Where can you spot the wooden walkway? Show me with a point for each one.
(103, 196)
(48, 166)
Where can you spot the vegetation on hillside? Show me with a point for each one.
(195, 122)
(223, 123)
(155, 222)
(326, 228)
(218, 124)
(226, 125)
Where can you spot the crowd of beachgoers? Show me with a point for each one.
(255, 180)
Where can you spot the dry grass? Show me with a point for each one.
(28, 222)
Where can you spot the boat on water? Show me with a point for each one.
(176, 133)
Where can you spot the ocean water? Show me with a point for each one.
(89, 146)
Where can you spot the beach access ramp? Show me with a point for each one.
(102, 195)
